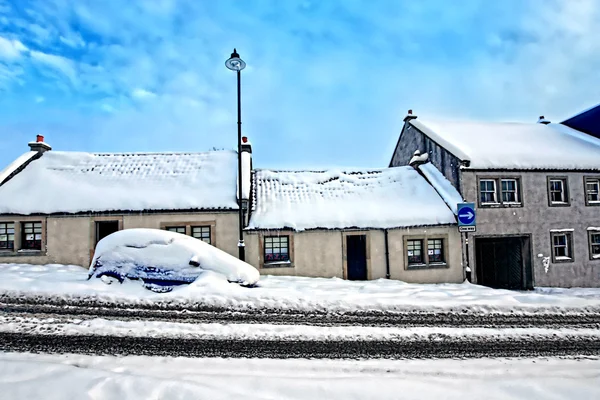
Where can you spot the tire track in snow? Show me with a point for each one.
(448, 348)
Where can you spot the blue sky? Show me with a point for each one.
(327, 84)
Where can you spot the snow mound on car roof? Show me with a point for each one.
(170, 250)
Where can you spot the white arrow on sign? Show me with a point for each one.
(468, 215)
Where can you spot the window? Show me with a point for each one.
(561, 247)
(277, 249)
(595, 245)
(178, 229)
(487, 191)
(501, 191)
(415, 252)
(510, 191)
(201, 233)
(7, 236)
(557, 191)
(31, 236)
(592, 191)
(435, 250)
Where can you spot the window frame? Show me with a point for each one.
(591, 179)
(566, 191)
(427, 263)
(422, 250)
(189, 225)
(517, 191)
(442, 251)
(487, 203)
(593, 232)
(568, 245)
(201, 227)
(500, 203)
(290, 248)
(23, 226)
(176, 228)
(5, 232)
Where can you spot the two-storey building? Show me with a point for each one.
(536, 189)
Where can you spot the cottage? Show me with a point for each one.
(536, 190)
(352, 224)
(55, 206)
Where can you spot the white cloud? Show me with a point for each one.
(11, 49)
(142, 94)
(57, 63)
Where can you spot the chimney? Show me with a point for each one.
(543, 120)
(409, 116)
(39, 145)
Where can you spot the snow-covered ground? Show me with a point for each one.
(244, 331)
(65, 377)
(294, 293)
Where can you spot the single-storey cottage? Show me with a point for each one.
(55, 206)
(353, 224)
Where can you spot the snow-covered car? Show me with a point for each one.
(163, 259)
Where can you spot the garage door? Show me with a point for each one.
(503, 262)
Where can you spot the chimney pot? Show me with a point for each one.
(39, 145)
(39, 138)
(409, 116)
(542, 117)
(244, 139)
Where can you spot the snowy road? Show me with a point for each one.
(249, 348)
(51, 308)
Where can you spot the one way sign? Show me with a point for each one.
(466, 217)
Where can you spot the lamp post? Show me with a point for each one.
(235, 63)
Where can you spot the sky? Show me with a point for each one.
(327, 82)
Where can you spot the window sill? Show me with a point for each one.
(278, 264)
(500, 205)
(23, 253)
(557, 204)
(595, 257)
(427, 266)
(562, 259)
(593, 203)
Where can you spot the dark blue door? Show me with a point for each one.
(356, 257)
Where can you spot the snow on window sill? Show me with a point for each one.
(559, 204)
(596, 257)
(560, 259)
(490, 204)
(278, 264)
(593, 203)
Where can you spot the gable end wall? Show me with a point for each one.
(412, 139)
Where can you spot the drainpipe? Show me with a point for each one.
(387, 255)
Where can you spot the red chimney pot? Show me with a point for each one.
(39, 138)
(409, 112)
(244, 139)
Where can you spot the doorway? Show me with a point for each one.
(504, 262)
(356, 257)
(105, 228)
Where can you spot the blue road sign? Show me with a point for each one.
(466, 214)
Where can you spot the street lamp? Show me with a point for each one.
(235, 63)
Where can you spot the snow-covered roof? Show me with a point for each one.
(383, 198)
(16, 164)
(71, 182)
(442, 186)
(497, 145)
